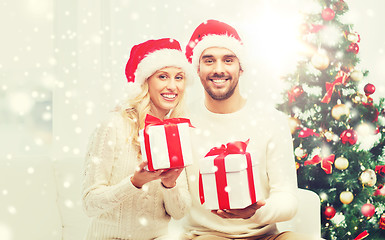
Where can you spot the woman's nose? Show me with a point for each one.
(171, 84)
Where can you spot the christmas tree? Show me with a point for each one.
(338, 129)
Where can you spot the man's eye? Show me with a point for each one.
(229, 60)
(209, 61)
(179, 77)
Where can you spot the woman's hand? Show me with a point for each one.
(142, 176)
(169, 177)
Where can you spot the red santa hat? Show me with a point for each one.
(213, 33)
(148, 57)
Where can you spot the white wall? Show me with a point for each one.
(62, 64)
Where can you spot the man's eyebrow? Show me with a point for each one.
(207, 56)
(230, 56)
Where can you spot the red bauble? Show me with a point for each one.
(329, 212)
(349, 136)
(368, 210)
(353, 47)
(369, 89)
(328, 14)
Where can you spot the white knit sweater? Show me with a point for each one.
(270, 146)
(118, 209)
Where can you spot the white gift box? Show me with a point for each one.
(162, 153)
(237, 191)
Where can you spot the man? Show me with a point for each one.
(216, 51)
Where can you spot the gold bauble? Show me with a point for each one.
(294, 124)
(341, 163)
(340, 110)
(320, 60)
(300, 153)
(346, 197)
(358, 98)
(368, 177)
(356, 76)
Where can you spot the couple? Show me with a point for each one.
(128, 202)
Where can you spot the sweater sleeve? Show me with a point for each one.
(177, 200)
(99, 196)
(281, 205)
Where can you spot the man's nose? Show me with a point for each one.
(218, 67)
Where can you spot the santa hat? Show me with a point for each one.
(148, 57)
(213, 33)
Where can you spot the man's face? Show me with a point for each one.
(219, 71)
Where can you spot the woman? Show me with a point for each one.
(125, 200)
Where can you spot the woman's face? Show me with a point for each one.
(166, 87)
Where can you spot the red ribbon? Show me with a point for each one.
(380, 169)
(237, 147)
(294, 92)
(306, 132)
(362, 235)
(341, 78)
(326, 163)
(172, 138)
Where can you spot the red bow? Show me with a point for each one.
(306, 132)
(380, 170)
(326, 163)
(151, 120)
(236, 147)
(362, 235)
(294, 92)
(341, 78)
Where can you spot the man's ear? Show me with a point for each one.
(240, 72)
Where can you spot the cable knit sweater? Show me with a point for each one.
(270, 146)
(119, 209)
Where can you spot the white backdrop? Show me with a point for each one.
(62, 62)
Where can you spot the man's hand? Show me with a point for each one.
(244, 213)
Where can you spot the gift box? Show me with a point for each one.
(166, 144)
(227, 177)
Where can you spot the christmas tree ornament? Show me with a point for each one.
(369, 89)
(328, 14)
(380, 191)
(340, 5)
(353, 47)
(358, 98)
(300, 152)
(294, 93)
(356, 75)
(340, 110)
(381, 223)
(368, 178)
(368, 210)
(349, 136)
(341, 163)
(353, 37)
(294, 124)
(329, 136)
(320, 60)
(329, 212)
(346, 197)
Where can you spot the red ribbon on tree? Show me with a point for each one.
(380, 169)
(326, 163)
(172, 136)
(237, 147)
(362, 235)
(341, 78)
(306, 132)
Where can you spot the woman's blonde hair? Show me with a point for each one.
(135, 110)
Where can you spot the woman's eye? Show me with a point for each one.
(163, 76)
